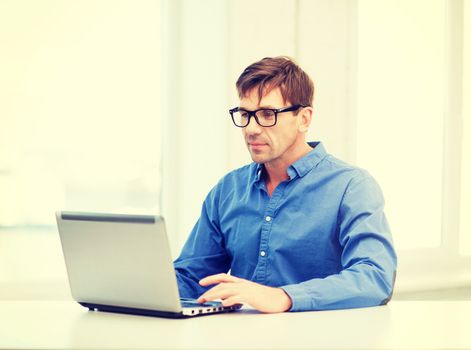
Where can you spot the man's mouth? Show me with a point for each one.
(256, 145)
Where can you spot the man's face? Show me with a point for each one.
(276, 143)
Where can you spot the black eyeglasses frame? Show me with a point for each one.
(253, 114)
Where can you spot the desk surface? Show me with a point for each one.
(399, 325)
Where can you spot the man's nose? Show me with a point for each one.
(253, 127)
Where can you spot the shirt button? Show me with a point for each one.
(262, 253)
(267, 218)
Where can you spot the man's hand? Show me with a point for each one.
(233, 290)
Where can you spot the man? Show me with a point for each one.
(298, 229)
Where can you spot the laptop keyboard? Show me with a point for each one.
(194, 303)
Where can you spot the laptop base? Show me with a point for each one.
(147, 312)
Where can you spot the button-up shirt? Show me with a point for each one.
(321, 236)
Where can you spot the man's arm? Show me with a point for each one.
(204, 252)
(368, 261)
(233, 290)
(368, 257)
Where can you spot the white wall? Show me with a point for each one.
(194, 109)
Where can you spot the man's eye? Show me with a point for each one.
(267, 114)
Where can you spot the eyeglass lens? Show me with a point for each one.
(264, 117)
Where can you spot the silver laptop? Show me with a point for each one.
(122, 263)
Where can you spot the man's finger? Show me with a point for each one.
(219, 292)
(219, 278)
(233, 300)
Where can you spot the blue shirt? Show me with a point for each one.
(322, 236)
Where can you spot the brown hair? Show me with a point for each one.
(272, 72)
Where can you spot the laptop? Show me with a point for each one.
(122, 263)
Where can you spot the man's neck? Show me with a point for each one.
(276, 173)
(277, 170)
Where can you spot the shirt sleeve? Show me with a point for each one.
(204, 252)
(368, 258)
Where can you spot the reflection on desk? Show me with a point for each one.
(399, 325)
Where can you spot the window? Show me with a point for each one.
(80, 114)
(79, 126)
(465, 227)
(401, 90)
(413, 131)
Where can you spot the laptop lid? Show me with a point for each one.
(119, 260)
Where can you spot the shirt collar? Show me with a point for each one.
(303, 165)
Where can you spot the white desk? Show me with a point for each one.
(400, 325)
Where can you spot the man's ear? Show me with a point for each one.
(305, 116)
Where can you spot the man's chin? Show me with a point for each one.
(258, 158)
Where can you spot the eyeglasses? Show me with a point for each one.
(265, 117)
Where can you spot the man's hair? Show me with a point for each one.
(273, 72)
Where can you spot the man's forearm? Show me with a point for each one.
(233, 290)
(360, 286)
